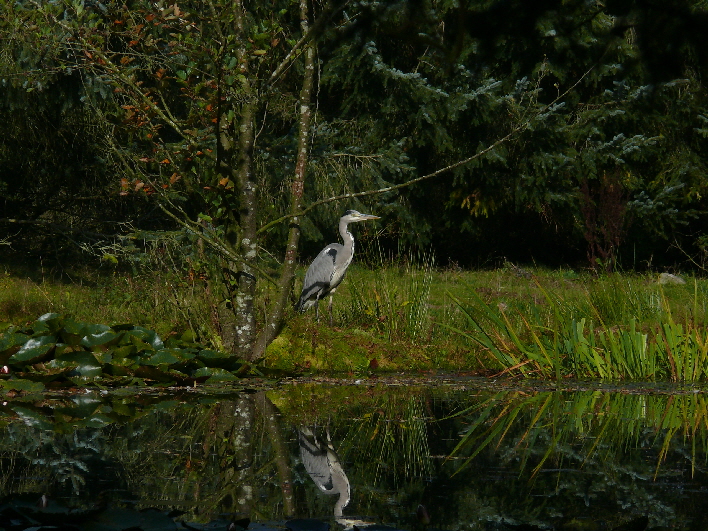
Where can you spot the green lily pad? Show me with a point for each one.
(161, 357)
(82, 407)
(72, 332)
(99, 339)
(97, 328)
(34, 350)
(212, 358)
(153, 373)
(32, 417)
(147, 336)
(52, 321)
(98, 421)
(10, 340)
(139, 344)
(84, 363)
(22, 385)
(121, 352)
(214, 374)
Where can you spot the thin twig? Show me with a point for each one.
(386, 189)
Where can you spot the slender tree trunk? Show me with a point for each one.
(275, 317)
(243, 303)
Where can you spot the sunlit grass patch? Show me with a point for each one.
(163, 303)
(618, 327)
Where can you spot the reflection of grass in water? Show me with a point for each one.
(394, 436)
(588, 425)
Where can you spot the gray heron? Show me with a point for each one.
(327, 270)
(323, 466)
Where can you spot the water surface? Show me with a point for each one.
(408, 454)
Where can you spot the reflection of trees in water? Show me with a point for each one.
(210, 458)
(541, 458)
(56, 461)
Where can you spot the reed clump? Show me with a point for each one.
(614, 332)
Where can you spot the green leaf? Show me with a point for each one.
(52, 321)
(34, 349)
(214, 374)
(84, 363)
(213, 357)
(121, 352)
(96, 328)
(26, 386)
(162, 357)
(29, 416)
(11, 340)
(102, 338)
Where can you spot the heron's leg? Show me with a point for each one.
(317, 309)
(331, 320)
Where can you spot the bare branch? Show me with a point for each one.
(518, 129)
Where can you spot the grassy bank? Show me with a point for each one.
(403, 316)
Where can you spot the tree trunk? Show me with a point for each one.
(243, 300)
(275, 317)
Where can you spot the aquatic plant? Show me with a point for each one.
(57, 351)
(396, 300)
(564, 340)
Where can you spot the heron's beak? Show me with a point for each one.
(367, 216)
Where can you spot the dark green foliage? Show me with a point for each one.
(554, 131)
(57, 351)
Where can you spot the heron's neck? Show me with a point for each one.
(346, 236)
(344, 493)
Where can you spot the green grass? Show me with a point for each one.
(164, 303)
(617, 327)
(410, 315)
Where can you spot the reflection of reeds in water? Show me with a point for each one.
(584, 339)
(587, 426)
(394, 437)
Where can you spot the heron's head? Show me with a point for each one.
(351, 216)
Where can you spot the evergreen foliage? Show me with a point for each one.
(581, 125)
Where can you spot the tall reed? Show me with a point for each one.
(396, 301)
(584, 339)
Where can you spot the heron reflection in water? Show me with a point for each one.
(323, 466)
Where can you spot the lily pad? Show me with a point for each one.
(32, 417)
(11, 340)
(85, 363)
(148, 336)
(214, 374)
(99, 339)
(161, 357)
(34, 350)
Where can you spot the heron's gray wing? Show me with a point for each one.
(316, 462)
(319, 274)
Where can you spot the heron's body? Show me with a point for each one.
(323, 466)
(327, 270)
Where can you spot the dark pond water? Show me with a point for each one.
(414, 455)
